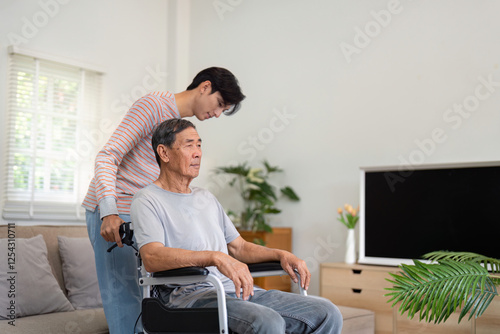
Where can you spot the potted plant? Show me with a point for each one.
(258, 195)
(451, 281)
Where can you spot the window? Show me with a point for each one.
(51, 108)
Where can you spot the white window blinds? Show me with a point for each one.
(51, 107)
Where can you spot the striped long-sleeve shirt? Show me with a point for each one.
(127, 162)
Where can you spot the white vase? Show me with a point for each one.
(350, 254)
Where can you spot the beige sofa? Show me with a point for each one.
(49, 281)
(357, 320)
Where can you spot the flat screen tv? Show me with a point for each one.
(406, 213)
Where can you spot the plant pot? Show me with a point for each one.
(350, 253)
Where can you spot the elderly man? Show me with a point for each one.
(179, 226)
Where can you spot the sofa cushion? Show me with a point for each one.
(28, 284)
(50, 234)
(91, 321)
(357, 320)
(80, 277)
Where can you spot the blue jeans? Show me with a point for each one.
(277, 312)
(118, 279)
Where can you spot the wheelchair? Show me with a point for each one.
(159, 319)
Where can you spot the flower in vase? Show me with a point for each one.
(348, 216)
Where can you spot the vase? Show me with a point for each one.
(350, 254)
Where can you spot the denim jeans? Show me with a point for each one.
(118, 279)
(277, 312)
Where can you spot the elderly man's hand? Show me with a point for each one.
(290, 263)
(238, 272)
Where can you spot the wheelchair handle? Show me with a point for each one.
(127, 234)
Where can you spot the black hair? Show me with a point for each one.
(164, 133)
(224, 82)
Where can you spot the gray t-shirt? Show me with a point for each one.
(194, 221)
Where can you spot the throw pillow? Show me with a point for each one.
(80, 277)
(27, 285)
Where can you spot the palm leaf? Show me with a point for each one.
(436, 290)
(488, 262)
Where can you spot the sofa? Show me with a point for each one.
(48, 282)
(357, 320)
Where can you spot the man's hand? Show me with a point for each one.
(110, 229)
(238, 272)
(290, 263)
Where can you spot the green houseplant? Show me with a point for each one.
(451, 281)
(258, 195)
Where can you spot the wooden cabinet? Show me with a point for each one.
(489, 322)
(281, 238)
(363, 286)
(403, 325)
(359, 286)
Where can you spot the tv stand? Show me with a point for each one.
(363, 286)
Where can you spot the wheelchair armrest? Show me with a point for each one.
(264, 266)
(273, 269)
(187, 271)
(264, 269)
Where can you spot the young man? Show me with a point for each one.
(126, 164)
(179, 226)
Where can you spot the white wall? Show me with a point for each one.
(372, 110)
(126, 38)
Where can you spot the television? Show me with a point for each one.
(408, 212)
